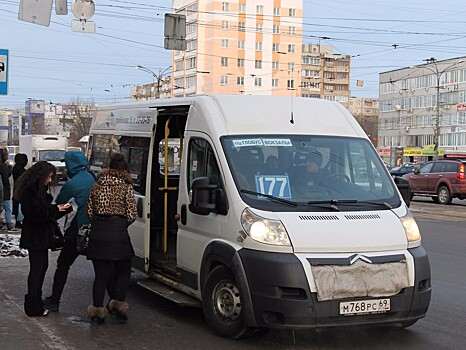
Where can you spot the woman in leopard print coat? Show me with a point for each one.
(111, 209)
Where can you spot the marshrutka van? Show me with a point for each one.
(234, 218)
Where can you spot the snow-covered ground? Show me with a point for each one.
(9, 246)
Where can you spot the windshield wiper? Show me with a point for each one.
(272, 198)
(332, 203)
(351, 201)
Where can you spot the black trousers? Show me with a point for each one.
(67, 257)
(113, 276)
(38, 264)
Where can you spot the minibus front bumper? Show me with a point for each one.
(280, 295)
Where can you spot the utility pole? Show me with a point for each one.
(438, 74)
(156, 77)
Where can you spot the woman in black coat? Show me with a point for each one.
(21, 160)
(39, 225)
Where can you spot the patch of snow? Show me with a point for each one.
(9, 247)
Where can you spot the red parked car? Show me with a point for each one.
(443, 180)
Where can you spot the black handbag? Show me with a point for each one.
(57, 239)
(82, 240)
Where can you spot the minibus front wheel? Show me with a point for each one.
(221, 302)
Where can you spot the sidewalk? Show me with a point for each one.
(20, 332)
(17, 330)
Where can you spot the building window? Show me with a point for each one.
(241, 26)
(276, 11)
(224, 43)
(292, 30)
(191, 62)
(275, 47)
(290, 66)
(257, 81)
(259, 27)
(225, 6)
(290, 84)
(224, 80)
(276, 29)
(191, 81)
(292, 12)
(242, 7)
(241, 44)
(191, 45)
(240, 62)
(291, 48)
(224, 61)
(259, 9)
(274, 82)
(275, 65)
(179, 66)
(191, 27)
(258, 64)
(224, 24)
(239, 80)
(259, 45)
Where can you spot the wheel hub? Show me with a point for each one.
(227, 301)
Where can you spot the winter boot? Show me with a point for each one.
(97, 314)
(118, 310)
(33, 306)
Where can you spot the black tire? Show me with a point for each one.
(444, 195)
(221, 302)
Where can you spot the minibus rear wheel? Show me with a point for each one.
(221, 302)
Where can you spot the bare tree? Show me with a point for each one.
(79, 122)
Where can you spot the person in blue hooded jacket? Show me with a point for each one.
(77, 187)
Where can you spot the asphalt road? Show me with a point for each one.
(159, 324)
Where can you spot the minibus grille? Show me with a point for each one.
(318, 217)
(362, 217)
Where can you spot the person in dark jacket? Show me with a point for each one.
(39, 225)
(111, 208)
(21, 160)
(77, 188)
(5, 172)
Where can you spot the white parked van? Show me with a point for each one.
(269, 214)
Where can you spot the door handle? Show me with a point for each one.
(183, 214)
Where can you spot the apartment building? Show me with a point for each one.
(366, 112)
(419, 103)
(157, 89)
(239, 47)
(324, 74)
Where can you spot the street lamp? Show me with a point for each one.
(155, 76)
(438, 74)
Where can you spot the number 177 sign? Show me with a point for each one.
(3, 72)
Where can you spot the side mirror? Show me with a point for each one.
(207, 198)
(404, 188)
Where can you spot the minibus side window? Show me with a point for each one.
(202, 162)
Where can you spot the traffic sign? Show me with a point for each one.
(3, 72)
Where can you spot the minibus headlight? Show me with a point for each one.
(411, 229)
(264, 230)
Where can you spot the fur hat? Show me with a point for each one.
(118, 162)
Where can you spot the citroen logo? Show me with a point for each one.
(356, 257)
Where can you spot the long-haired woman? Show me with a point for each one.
(39, 224)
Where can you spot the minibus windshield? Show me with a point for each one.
(310, 171)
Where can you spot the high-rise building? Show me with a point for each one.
(324, 74)
(239, 47)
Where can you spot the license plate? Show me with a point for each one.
(361, 307)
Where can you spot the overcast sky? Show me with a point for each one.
(58, 65)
